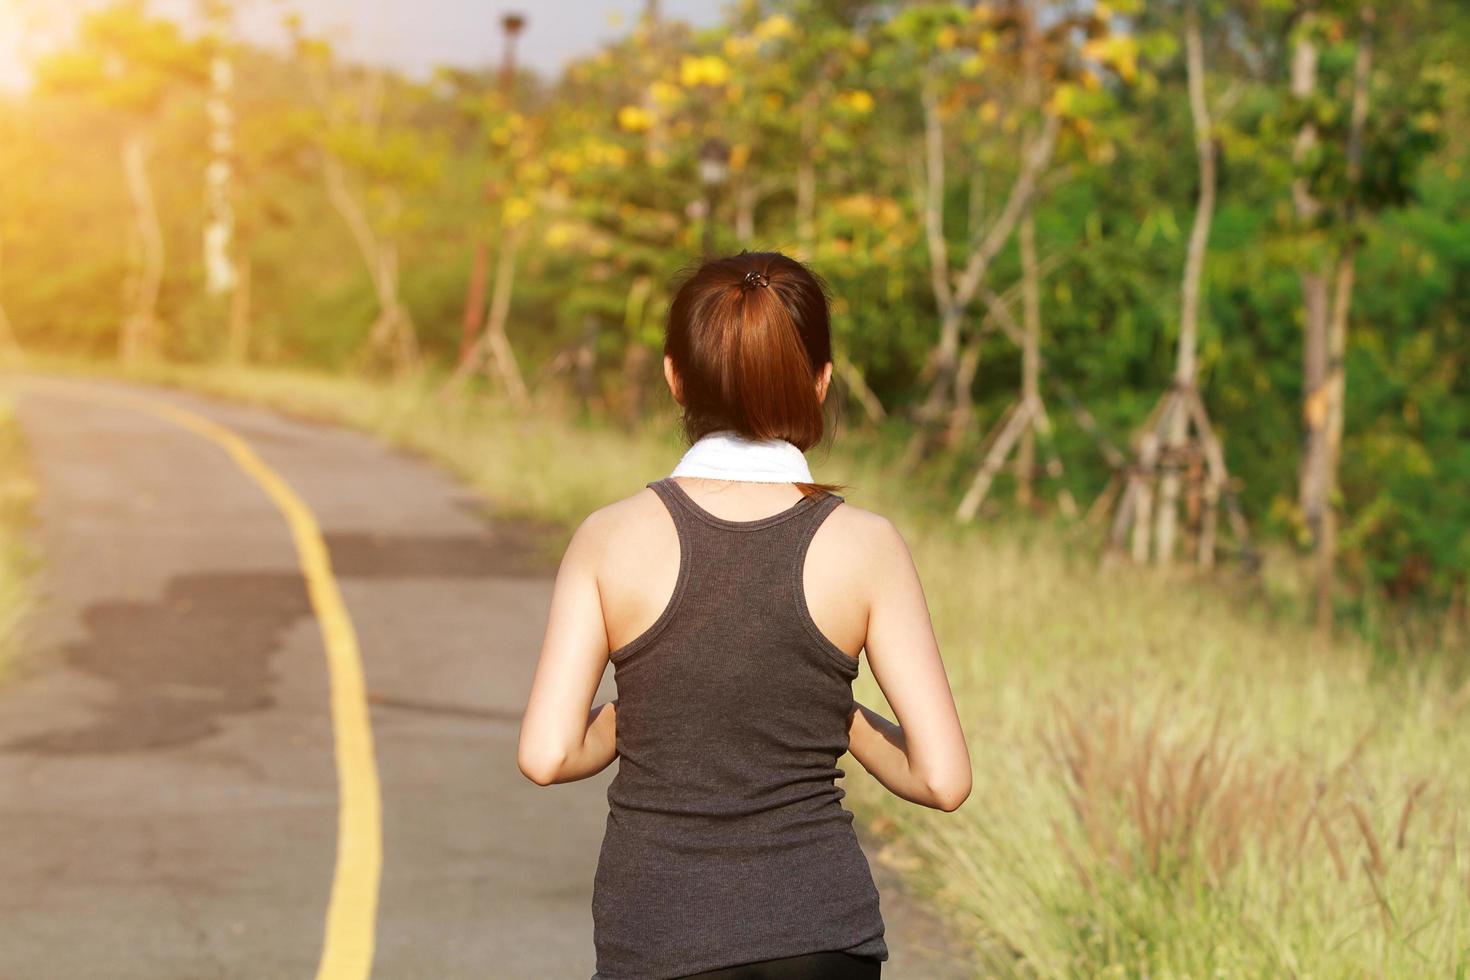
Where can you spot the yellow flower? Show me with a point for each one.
(777, 25)
(858, 100)
(517, 210)
(739, 156)
(634, 119)
(703, 70)
(946, 37)
(664, 93)
(1117, 50)
(531, 172)
(1063, 100)
(560, 234)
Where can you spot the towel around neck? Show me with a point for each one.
(727, 455)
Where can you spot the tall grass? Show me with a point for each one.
(1168, 782)
(16, 559)
(1166, 788)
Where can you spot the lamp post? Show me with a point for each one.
(511, 24)
(474, 303)
(714, 167)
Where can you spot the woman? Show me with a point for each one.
(733, 598)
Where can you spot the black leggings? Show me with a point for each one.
(835, 965)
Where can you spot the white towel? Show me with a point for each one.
(727, 455)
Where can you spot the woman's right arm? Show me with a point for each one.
(922, 758)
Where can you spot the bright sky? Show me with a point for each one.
(413, 35)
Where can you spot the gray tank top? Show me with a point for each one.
(726, 841)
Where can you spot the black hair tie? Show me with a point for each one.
(755, 278)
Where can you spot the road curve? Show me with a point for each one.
(168, 790)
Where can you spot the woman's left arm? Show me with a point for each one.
(563, 738)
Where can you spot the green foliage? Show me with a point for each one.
(601, 167)
(124, 59)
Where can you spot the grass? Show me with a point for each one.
(17, 563)
(1168, 782)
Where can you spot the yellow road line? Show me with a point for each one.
(347, 950)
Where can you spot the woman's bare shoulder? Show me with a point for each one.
(851, 517)
(864, 535)
(627, 517)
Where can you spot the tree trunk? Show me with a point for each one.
(393, 331)
(954, 300)
(1311, 493)
(140, 328)
(240, 313)
(474, 301)
(962, 410)
(746, 196)
(585, 362)
(219, 224)
(1030, 356)
(502, 355)
(1199, 236)
(857, 386)
(1335, 384)
(635, 361)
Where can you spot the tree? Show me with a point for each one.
(519, 177)
(373, 161)
(970, 65)
(128, 63)
(1335, 146)
(1179, 429)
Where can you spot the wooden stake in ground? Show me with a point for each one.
(1025, 422)
(954, 294)
(492, 350)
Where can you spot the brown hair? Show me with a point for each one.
(748, 335)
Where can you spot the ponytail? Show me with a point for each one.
(749, 335)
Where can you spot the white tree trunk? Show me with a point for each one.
(138, 337)
(219, 224)
(1199, 236)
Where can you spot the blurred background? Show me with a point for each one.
(1149, 328)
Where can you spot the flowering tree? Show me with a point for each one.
(127, 64)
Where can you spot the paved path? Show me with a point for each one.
(168, 795)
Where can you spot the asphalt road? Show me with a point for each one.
(169, 799)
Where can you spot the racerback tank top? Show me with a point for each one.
(726, 841)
